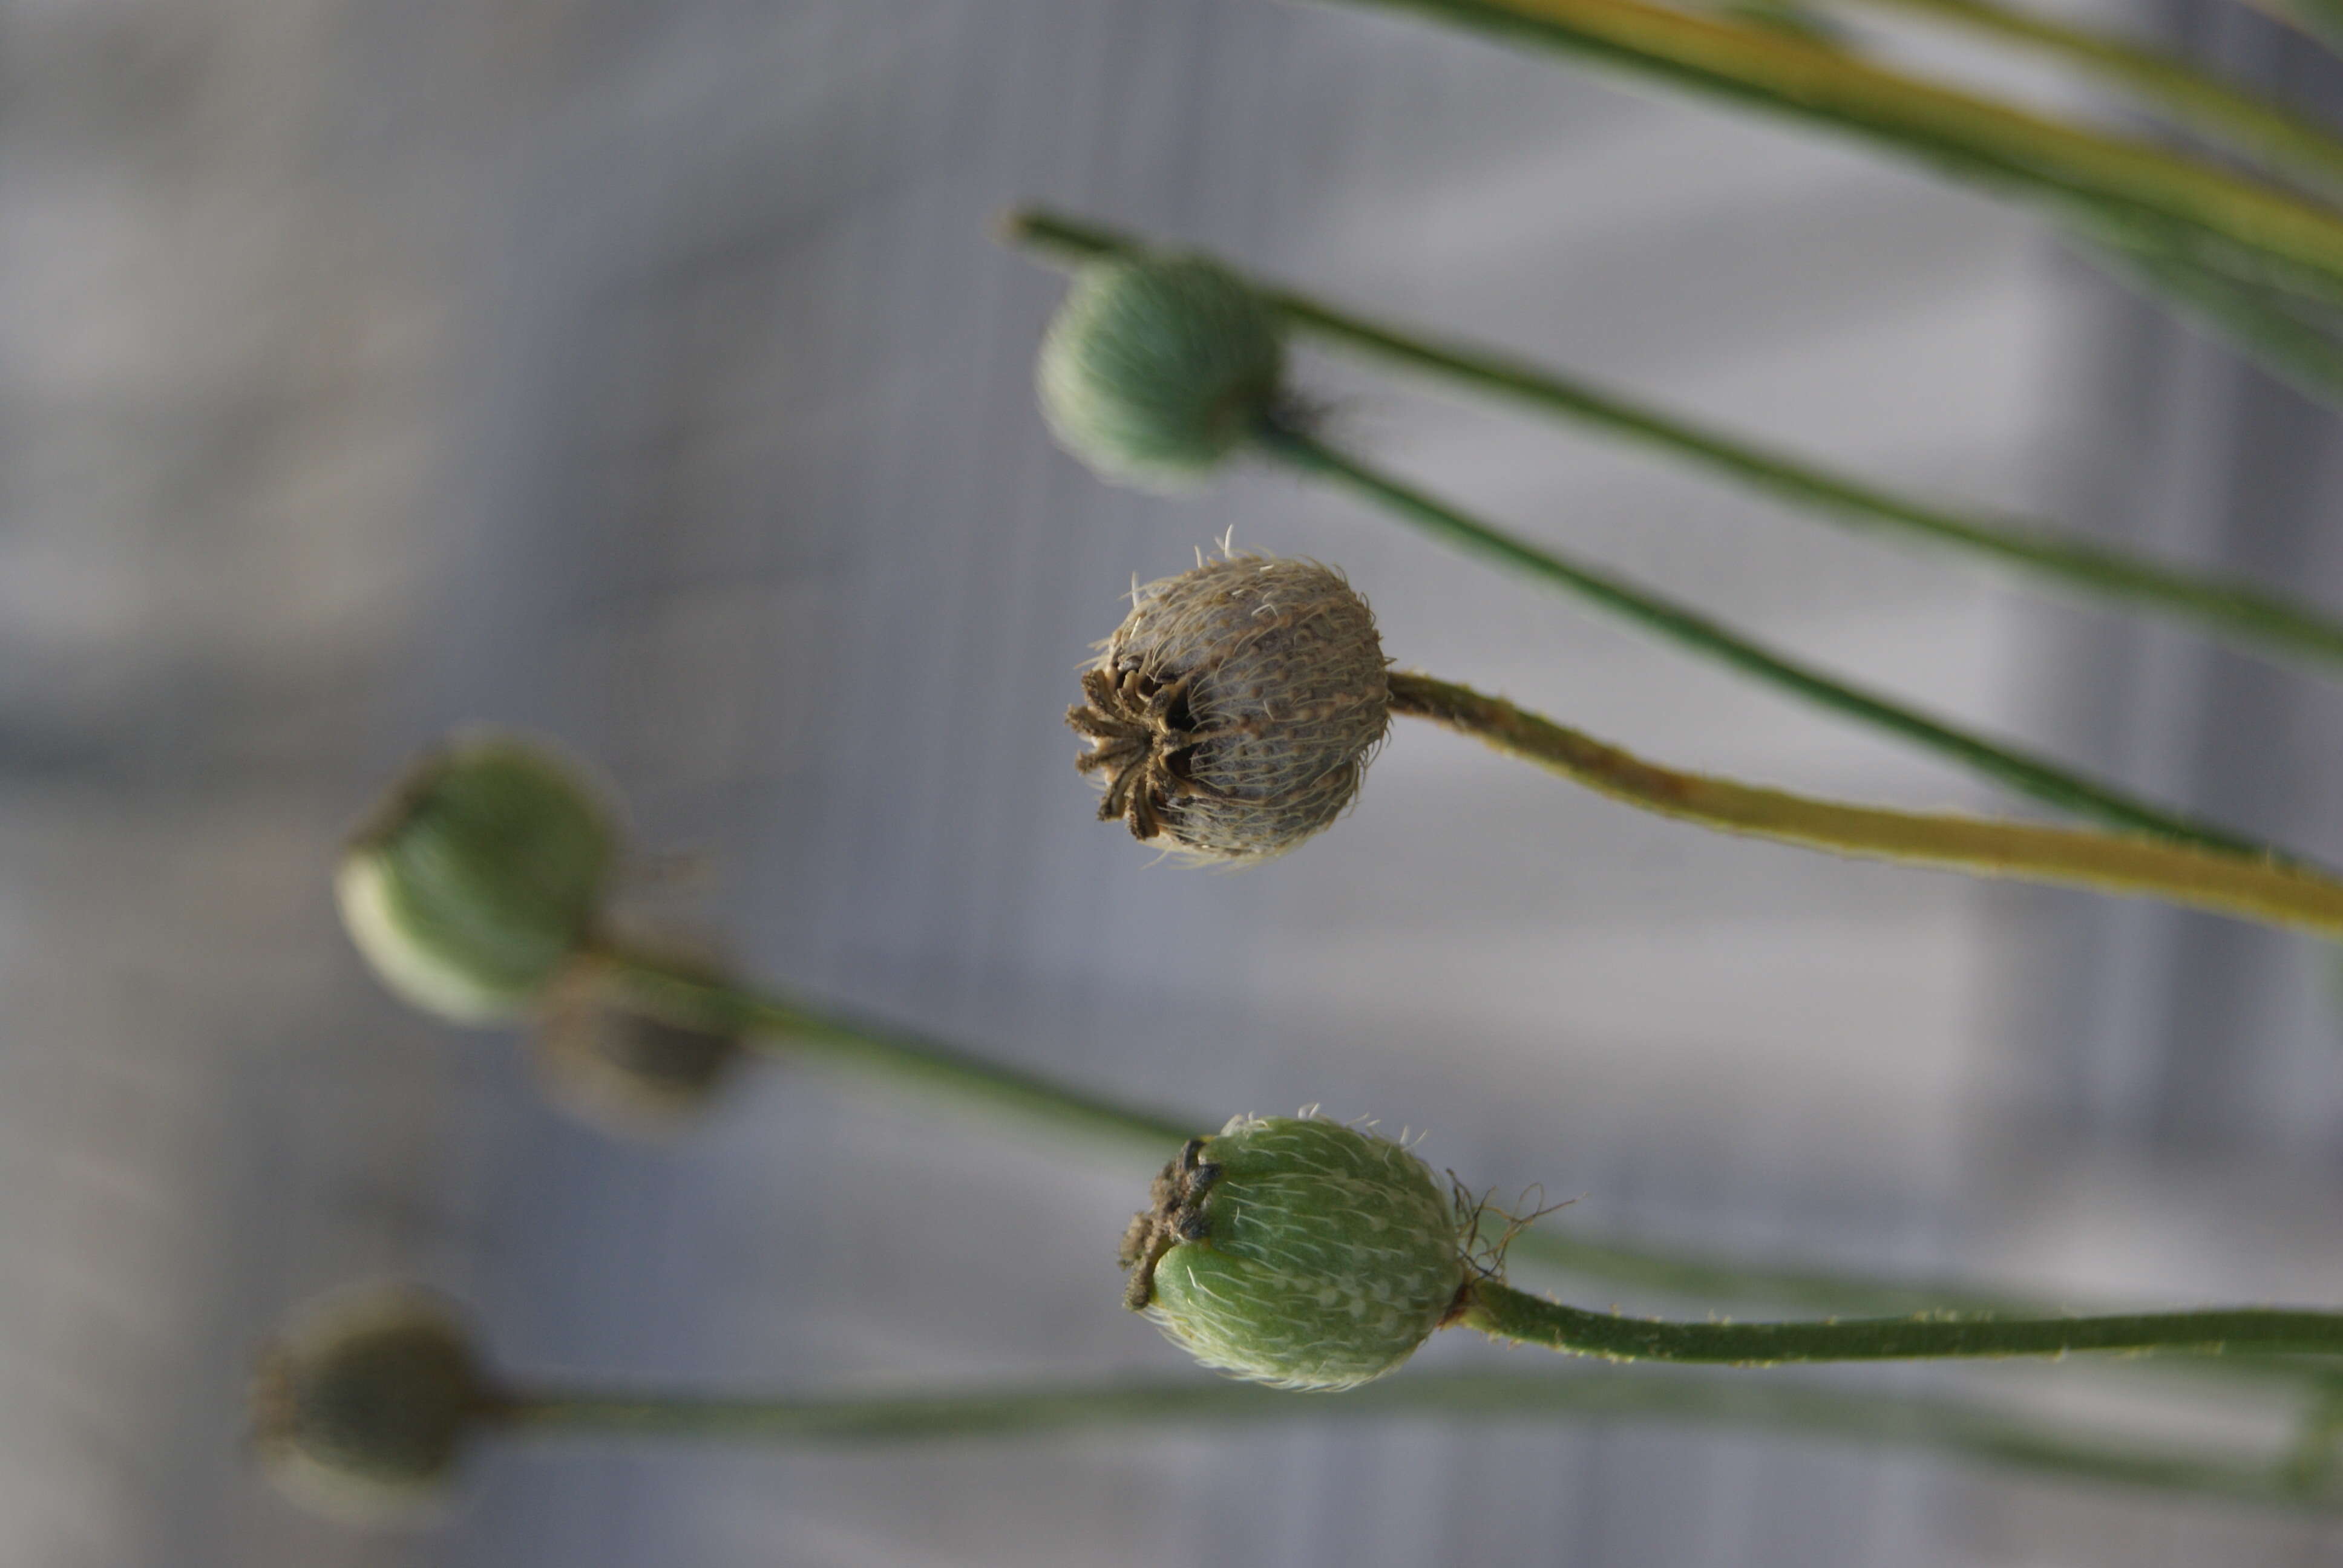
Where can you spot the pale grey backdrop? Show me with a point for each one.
(646, 375)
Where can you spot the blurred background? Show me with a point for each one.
(648, 376)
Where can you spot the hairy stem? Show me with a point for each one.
(2225, 607)
(2269, 891)
(1990, 142)
(1505, 1313)
(2044, 781)
(1533, 1321)
(1963, 1428)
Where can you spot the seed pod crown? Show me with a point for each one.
(361, 1407)
(1156, 368)
(1297, 1251)
(1233, 712)
(477, 877)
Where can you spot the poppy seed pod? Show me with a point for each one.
(1156, 368)
(361, 1407)
(605, 1058)
(1233, 712)
(477, 877)
(1297, 1252)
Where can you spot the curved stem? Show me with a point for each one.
(1963, 1428)
(2190, 95)
(2257, 890)
(1980, 138)
(2045, 781)
(931, 1068)
(958, 1079)
(1503, 1312)
(2224, 606)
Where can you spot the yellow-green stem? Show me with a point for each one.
(2045, 780)
(2298, 143)
(2267, 890)
(2062, 165)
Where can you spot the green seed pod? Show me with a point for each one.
(362, 1406)
(477, 877)
(1297, 1252)
(1233, 712)
(609, 1062)
(1156, 370)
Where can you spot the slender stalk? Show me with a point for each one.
(1505, 1313)
(2189, 95)
(956, 1080)
(2225, 607)
(1971, 1430)
(2317, 1430)
(2263, 324)
(2257, 890)
(959, 1081)
(1985, 140)
(2044, 781)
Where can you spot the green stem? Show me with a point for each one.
(2318, 19)
(1959, 1427)
(2263, 324)
(1503, 1312)
(2191, 96)
(2226, 606)
(959, 1080)
(1985, 140)
(2310, 1462)
(2042, 780)
(2269, 891)
(944, 1073)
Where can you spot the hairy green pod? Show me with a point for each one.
(361, 1407)
(1297, 1251)
(609, 1062)
(1233, 712)
(1157, 369)
(477, 877)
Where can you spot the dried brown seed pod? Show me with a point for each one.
(607, 1059)
(1233, 712)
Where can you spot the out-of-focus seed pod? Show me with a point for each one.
(1156, 370)
(1297, 1252)
(1233, 712)
(602, 1057)
(477, 876)
(361, 1406)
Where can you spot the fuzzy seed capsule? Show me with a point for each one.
(1233, 712)
(1297, 1252)
(361, 1407)
(477, 877)
(1156, 370)
(614, 1065)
